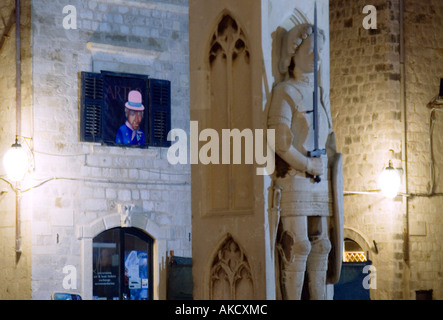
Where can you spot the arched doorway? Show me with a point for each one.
(122, 265)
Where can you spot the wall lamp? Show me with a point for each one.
(389, 181)
(16, 162)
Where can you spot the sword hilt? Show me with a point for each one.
(317, 153)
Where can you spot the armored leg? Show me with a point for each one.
(317, 266)
(294, 249)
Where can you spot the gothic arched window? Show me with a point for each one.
(230, 186)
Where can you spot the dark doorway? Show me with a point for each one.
(122, 265)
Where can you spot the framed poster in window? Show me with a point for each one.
(123, 109)
(125, 100)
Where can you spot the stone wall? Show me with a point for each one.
(424, 68)
(15, 270)
(365, 94)
(75, 187)
(367, 111)
(77, 183)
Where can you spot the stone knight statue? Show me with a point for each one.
(309, 240)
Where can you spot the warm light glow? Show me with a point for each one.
(15, 162)
(354, 256)
(389, 182)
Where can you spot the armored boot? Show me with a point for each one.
(317, 266)
(292, 284)
(293, 254)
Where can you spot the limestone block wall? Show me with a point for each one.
(78, 186)
(15, 270)
(365, 104)
(424, 68)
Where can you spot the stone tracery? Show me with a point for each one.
(230, 273)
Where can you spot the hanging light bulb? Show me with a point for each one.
(389, 181)
(15, 162)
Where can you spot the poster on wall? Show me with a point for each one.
(136, 272)
(125, 109)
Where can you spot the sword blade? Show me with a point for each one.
(315, 79)
(316, 153)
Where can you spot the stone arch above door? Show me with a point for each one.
(124, 219)
(360, 239)
(137, 220)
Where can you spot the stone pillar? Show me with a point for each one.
(234, 52)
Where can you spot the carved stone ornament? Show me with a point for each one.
(231, 277)
(125, 211)
(228, 40)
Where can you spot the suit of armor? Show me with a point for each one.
(302, 241)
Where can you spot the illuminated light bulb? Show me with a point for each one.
(15, 162)
(389, 182)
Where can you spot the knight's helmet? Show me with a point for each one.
(293, 39)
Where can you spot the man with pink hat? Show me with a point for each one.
(130, 132)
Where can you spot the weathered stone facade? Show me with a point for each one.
(424, 68)
(74, 188)
(15, 274)
(366, 103)
(77, 187)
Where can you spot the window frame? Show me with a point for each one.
(93, 109)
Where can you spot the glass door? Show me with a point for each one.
(137, 267)
(122, 265)
(106, 265)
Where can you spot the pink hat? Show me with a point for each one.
(134, 101)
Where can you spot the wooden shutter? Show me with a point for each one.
(91, 107)
(159, 112)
